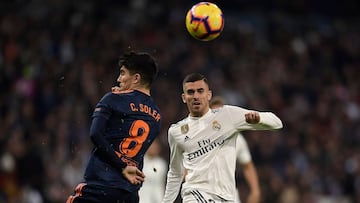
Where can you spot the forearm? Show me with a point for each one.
(251, 178)
(176, 172)
(172, 188)
(269, 120)
(101, 144)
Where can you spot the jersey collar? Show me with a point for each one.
(207, 114)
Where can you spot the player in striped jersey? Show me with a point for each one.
(204, 143)
(124, 124)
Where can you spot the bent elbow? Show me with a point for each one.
(280, 125)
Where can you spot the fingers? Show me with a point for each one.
(140, 173)
(134, 175)
(140, 176)
(115, 89)
(140, 179)
(137, 180)
(252, 117)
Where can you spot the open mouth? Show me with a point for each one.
(196, 103)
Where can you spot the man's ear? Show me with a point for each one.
(137, 78)
(183, 98)
(209, 95)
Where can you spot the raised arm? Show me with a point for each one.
(244, 119)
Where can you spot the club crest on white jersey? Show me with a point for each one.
(216, 125)
(184, 129)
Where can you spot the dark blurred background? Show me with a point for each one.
(297, 58)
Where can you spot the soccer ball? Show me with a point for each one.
(204, 21)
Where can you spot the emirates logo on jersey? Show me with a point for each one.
(216, 126)
(205, 147)
(184, 129)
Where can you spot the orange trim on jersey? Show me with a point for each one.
(78, 192)
(115, 90)
(78, 189)
(127, 161)
(118, 154)
(70, 199)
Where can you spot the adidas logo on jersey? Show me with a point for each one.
(186, 138)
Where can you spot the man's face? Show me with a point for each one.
(125, 79)
(196, 96)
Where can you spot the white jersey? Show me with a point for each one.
(242, 150)
(206, 147)
(243, 156)
(153, 187)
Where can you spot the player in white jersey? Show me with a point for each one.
(249, 171)
(204, 143)
(244, 158)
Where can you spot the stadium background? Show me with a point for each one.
(297, 58)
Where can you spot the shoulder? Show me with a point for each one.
(179, 123)
(111, 100)
(109, 96)
(106, 98)
(178, 126)
(231, 109)
(228, 110)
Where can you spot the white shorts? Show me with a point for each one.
(197, 196)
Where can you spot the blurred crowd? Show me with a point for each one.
(296, 58)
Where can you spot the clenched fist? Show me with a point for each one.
(252, 117)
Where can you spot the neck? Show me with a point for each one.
(143, 90)
(199, 114)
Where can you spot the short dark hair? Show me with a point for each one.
(142, 63)
(193, 77)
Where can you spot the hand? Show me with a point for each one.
(133, 175)
(115, 90)
(252, 117)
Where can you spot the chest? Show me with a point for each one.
(200, 134)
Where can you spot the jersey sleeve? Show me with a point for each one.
(100, 116)
(269, 120)
(176, 171)
(103, 108)
(242, 150)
